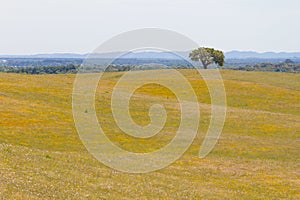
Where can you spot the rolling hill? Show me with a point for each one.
(257, 156)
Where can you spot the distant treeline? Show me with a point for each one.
(72, 69)
(287, 66)
(68, 69)
(38, 62)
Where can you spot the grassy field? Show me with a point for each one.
(257, 156)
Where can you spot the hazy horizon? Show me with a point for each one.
(230, 51)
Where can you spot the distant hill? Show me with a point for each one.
(52, 55)
(162, 55)
(233, 59)
(265, 55)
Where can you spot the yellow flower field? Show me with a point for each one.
(257, 156)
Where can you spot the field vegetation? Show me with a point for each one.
(257, 156)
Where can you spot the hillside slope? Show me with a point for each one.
(257, 156)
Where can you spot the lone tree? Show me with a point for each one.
(208, 56)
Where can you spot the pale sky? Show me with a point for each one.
(79, 26)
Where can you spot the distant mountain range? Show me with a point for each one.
(162, 55)
(50, 55)
(265, 55)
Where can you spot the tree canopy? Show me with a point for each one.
(208, 56)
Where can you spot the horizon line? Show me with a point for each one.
(87, 53)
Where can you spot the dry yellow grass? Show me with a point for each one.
(257, 156)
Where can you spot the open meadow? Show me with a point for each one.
(256, 157)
